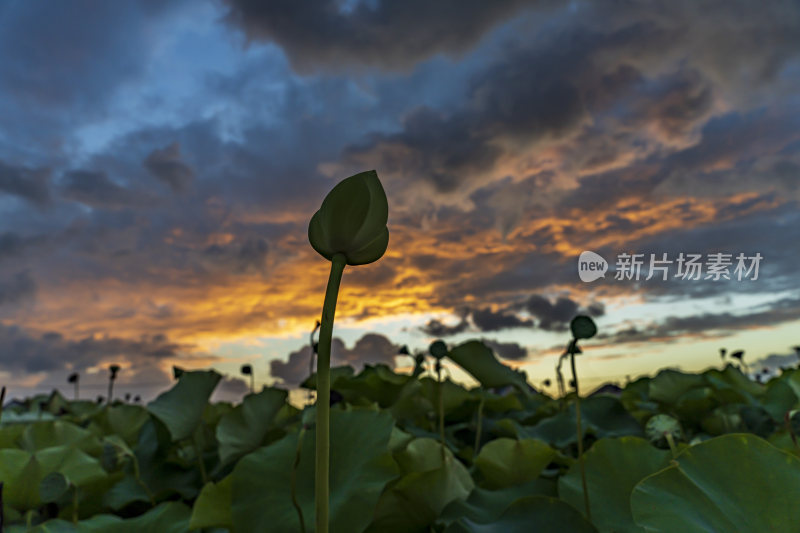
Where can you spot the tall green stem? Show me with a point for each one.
(293, 481)
(338, 262)
(480, 422)
(580, 437)
(440, 389)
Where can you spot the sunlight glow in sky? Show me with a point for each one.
(159, 163)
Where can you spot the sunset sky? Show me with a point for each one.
(160, 161)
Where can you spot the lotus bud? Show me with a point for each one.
(352, 221)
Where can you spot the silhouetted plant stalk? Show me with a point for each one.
(562, 391)
(479, 423)
(74, 378)
(348, 229)
(582, 327)
(113, 369)
(438, 349)
(247, 370)
(314, 348)
(293, 479)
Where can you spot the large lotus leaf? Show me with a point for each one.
(360, 468)
(20, 473)
(53, 487)
(778, 399)
(693, 404)
(163, 475)
(433, 479)
(484, 505)
(181, 407)
(23, 472)
(9, 435)
(122, 420)
(479, 361)
(413, 407)
(603, 416)
(783, 440)
(792, 378)
(57, 433)
(243, 430)
(454, 396)
(337, 372)
(373, 384)
(498, 404)
(757, 420)
(77, 466)
(669, 385)
(613, 468)
(125, 492)
(51, 526)
(725, 419)
(732, 379)
(531, 513)
(731, 483)
(507, 462)
(169, 517)
(213, 507)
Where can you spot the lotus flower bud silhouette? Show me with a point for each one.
(352, 221)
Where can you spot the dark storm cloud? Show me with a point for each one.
(21, 350)
(489, 320)
(775, 362)
(250, 255)
(17, 288)
(549, 315)
(30, 184)
(80, 44)
(556, 315)
(95, 189)
(507, 350)
(620, 79)
(13, 244)
(437, 328)
(384, 34)
(370, 349)
(672, 328)
(525, 97)
(166, 165)
(61, 64)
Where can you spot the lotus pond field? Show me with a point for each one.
(677, 452)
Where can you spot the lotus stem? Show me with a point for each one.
(338, 262)
(579, 434)
(480, 424)
(293, 481)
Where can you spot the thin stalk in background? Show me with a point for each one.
(293, 481)
(582, 327)
(580, 437)
(441, 401)
(338, 262)
(479, 425)
(200, 463)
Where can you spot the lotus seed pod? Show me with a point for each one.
(583, 327)
(438, 349)
(352, 221)
(657, 428)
